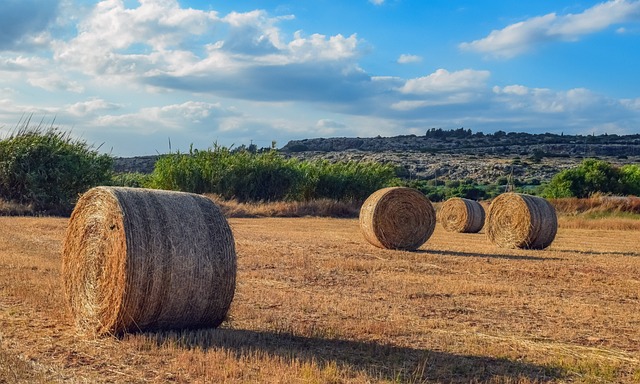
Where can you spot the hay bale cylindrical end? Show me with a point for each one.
(141, 259)
(397, 218)
(461, 215)
(518, 220)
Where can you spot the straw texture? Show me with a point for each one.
(397, 218)
(517, 220)
(461, 215)
(139, 259)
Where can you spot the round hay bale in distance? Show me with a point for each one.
(141, 259)
(397, 218)
(461, 215)
(518, 220)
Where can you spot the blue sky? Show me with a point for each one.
(134, 75)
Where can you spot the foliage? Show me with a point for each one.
(267, 176)
(131, 179)
(594, 176)
(48, 169)
(630, 179)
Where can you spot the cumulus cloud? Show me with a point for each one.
(22, 64)
(242, 55)
(173, 116)
(523, 36)
(55, 82)
(408, 59)
(91, 107)
(23, 23)
(445, 81)
(576, 101)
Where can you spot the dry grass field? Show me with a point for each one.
(315, 303)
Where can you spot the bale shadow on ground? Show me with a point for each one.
(599, 253)
(488, 255)
(381, 361)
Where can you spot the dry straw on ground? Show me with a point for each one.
(139, 259)
(461, 215)
(517, 220)
(397, 218)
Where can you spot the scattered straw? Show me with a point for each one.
(397, 218)
(139, 259)
(461, 215)
(517, 220)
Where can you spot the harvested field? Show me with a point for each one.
(315, 303)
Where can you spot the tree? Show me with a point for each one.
(589, 177)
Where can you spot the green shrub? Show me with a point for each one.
(594, 176)
(630, 179)
(131, 179)
(350, 180)
(267, 176)
(48, 169)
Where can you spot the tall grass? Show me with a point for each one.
(598, 205)
(47, 168)
(268, 176)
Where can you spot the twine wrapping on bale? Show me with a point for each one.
(517, 220)
(141, 259)
(461, 215)
(397, 218)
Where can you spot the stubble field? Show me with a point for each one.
(315, 303)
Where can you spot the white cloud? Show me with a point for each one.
(55, 82)
(241, 55)
(23, 64)
(440, 101)
(444, 81)
(318, 47)
(377, 2)
(407, 59)
(173, 116)
(633, 104)
(158, 30)
(523, 36)
(91, 107)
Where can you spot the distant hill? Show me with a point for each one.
(463, 141)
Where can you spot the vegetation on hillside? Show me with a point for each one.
(47, 169)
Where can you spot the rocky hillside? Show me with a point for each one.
(458, 154)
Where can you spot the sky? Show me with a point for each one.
(153, 76)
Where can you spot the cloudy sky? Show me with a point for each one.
(136, 75)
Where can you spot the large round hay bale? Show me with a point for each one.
(397, 218)
(461, 215)
(141, 259)
(517, 220)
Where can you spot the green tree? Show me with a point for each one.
(589, 177)
(630, 179)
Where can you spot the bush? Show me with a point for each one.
(630, 179)
(48, 169)
(131, 179)
(267, 176)
(594, 176)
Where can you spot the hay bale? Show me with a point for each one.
(397, 218)
(517, 220)
(140, 259)
(461, 215)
